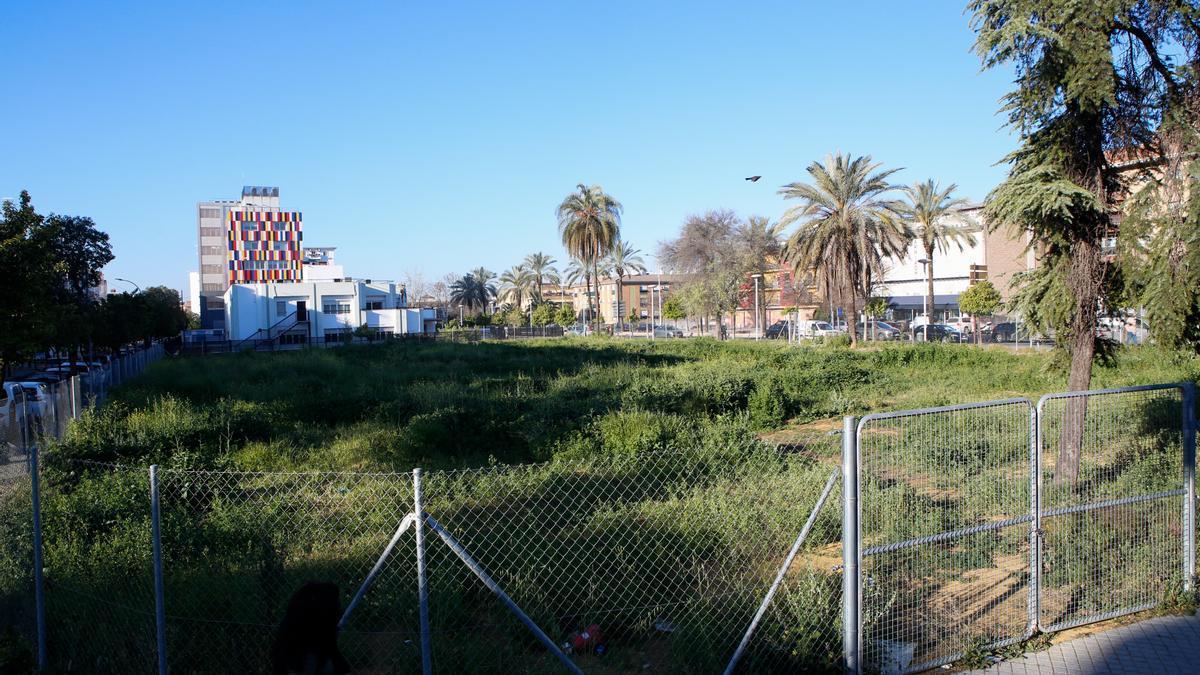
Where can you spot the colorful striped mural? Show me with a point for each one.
(264, 246)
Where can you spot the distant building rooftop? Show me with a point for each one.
(259, 191)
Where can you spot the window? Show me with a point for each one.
(282, 308)
(373, 302)
(336, 334)
(210, 232)
(211, 250)
(336, 307)
(212, 269)
(213, 288)
(210, 213)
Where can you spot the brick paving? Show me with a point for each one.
(1162, 645)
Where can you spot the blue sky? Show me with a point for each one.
(437, 137)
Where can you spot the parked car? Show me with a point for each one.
(780, 330)
(878, 330)
(938, 332)
(667, 332)
(579, 329)
(1002, 332)
(811, 329)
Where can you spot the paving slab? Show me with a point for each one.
(1162, 645)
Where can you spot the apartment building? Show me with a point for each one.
(246, 240)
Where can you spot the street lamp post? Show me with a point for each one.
(460, 315)
(136, 289)
(757, 326)
(925, 297)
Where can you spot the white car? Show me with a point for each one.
(667, 332)
(811, 329)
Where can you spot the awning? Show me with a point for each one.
(917, 302)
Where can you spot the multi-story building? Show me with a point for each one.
(247, 240)
(779, 296)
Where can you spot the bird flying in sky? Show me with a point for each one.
(753, 179)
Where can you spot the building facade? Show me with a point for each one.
(308, 311)
(319, 264)
(246, 240)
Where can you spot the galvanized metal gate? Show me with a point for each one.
(969, 538)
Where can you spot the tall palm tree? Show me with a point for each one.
(544, 272)
(485, 277)
(516, 286)
(938, 222)
(471, 292)
(622, 261)
(846, 226)
(589, 221)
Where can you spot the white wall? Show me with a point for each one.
(250, 308)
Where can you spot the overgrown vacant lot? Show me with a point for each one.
(454, 405)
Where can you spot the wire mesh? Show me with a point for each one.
(1112, 527)
(237, 545)
(946, 517)
(99, 592)
(17, 623)
(665, 555)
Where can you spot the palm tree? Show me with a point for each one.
(623, 260)
(939, 222)
(485, 277)
(846, 226)
(516, 286)
(544, 272)
(472, 292)
(589, 221)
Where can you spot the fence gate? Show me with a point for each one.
(946, 523)
(1113, 529)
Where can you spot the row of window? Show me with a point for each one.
(210, 213)
(269, 245)
(210, 232)
(253, 225)
(336, 307)
(266, 265)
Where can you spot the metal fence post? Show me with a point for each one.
(1035, 521)
(422, 585)
(1189, 481)
(851, 598)
(35, 495)
(160, 610)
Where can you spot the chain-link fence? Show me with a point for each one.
(964, 531)
(1113, 496)
(91, 544)
(946, 522)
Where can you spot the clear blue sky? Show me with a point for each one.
(436, 137)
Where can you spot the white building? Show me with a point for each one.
(905, 285)
(319, 264)
(305, 311)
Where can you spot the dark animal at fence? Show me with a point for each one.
(306, 642)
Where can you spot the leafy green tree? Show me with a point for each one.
(589, 221)
(873, 309)
(846, 227)
(1094, 81)
(565, 316)
(938, 223)
(981, 299)
(30, 273)
(673, 309)
(543, 314)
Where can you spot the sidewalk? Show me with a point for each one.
(1164, 644)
